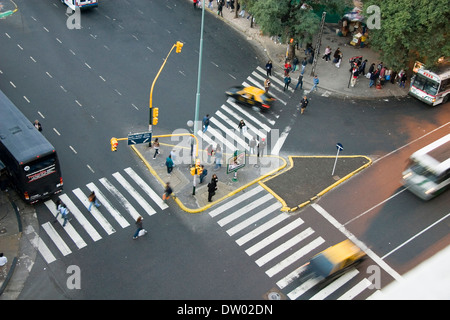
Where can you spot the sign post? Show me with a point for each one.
(138, 138)
(339, 148)
(236, 162)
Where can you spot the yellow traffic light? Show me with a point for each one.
(155, 116)
(179, 46)
(114, 144)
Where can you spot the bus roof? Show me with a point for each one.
(436, 155)
(441, 72)
(19, 135)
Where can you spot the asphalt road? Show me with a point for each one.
(88, 85)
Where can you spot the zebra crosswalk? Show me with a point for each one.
(115, 211)
(224, 122)
(282, 244)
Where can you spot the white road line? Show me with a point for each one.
(218, 136)
(244, 210)
(235, 201)
(353, 292)
(281, 83)
(120, 198)
(238, 118)
(57, 240)
(80, 217)
(415, 236)
(155, 197)
(69, 229)
(94, 212)
(233, 125)
(266, 226)
(229, 133)
(274, 236)
(287, 280)
(336, 284)
(107, 204)
(284, 246)
(248, 115)
(38, 244)
(134, 193)
(244, 224)
(305, 286)
(257, 84)
(295, 256)
(359, 243)
(277, 147)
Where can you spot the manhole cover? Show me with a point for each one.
(2, 230)
(274, 296)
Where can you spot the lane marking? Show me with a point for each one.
(359, 243)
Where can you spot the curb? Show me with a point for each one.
(285, 208)
(201, 209)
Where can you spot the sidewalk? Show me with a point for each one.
(333, 81)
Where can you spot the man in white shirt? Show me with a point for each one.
(3, 260)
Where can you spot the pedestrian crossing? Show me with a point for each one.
(115, 212)
(282, 245)
(223, 128)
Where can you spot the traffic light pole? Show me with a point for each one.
(177, 45)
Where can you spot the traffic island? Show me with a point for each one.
(194, 199)
(310, 177)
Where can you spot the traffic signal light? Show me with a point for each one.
(179, 46)
(155, 116)
(114, 144)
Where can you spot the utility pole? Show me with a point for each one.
(319, 42)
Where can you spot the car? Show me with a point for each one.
(333, 262)
(251, 96)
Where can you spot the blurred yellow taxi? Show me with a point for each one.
(251, 96)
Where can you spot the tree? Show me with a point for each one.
(290, 19)
(410, 31)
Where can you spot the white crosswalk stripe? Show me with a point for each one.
(282, 245)
(61, 238)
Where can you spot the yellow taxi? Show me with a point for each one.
(251, 96)
(336, 260)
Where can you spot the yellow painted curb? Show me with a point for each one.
(285, 208)
(201, 209)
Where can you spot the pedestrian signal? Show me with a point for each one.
(114, 144)
(155, 116)
(179, 45)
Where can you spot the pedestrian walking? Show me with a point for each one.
(287, 81)
(173, 155)
(140, 231)
(220, 8)
(37, 125)
(218, 161)
(327, 54)
(3, 259)
(212, 187)
(362, 68)
(287, 67)
(209, 152)
(195, 3)
(373, 78)
(169, 164)
(403, 80)
(252, 144)
(62, 209)
(269, 68)
(315, 83)
(354, 76)
(205, 123)
(242, 127)
(203, 174)
(304, 63)
(303, 104)
(167, 192)
(300, 82)
(210, 5)
(93, 200)
(261, 147)
(337, 57)
(156, 147)
(267, 85)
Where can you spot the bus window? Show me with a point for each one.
(424, 84)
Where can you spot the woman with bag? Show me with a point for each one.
(140, 231)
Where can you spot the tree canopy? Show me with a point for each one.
(410, 31)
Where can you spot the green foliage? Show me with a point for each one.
(411, 30)
(288, 18)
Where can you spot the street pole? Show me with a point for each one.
(318, 43)
(197, 98)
